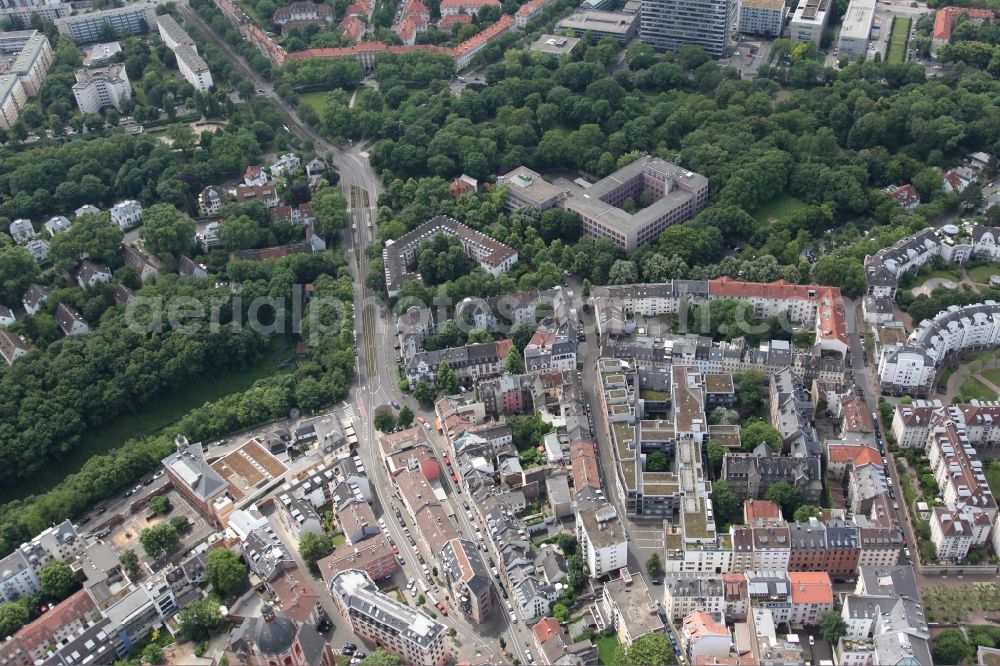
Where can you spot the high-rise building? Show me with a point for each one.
(670, 24)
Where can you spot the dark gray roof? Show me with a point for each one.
(891, 581)
(190, 466)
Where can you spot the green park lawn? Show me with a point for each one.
(897, 43)
(992, 375)
(606, 646)
(779, 208)
(315, 100)
(981, 274)
(943, 273)
(152, 418)
(973, 388)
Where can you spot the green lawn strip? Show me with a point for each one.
(779, 208)
(973, 388)
(943, 273)
(151, 418)
(897, 41)
(606, 647)
(316, 100)
(981, 274)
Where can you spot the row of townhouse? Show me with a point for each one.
(820, 308)
(949, 436)
(415, 474)
(766, 541)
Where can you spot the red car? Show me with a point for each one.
(440, 607)
(395, 549)
(454, 479)
(447, 461)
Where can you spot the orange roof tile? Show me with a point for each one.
(810, 587)
(859, 455)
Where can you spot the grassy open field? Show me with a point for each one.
(897, 42)
(316, 100)
(943, 273)
(150, 419)
(973, 388)
(778, 209)
(981, 274)
(606, 646)
(992, 375)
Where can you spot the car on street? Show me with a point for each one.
(395, 405)
(447, 461)
(402, 562)
(103, 510)
(454, 479)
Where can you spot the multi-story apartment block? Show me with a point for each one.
(494, 257)
(34, 57)
(762, 17)
(626, 605)
(132, 19)
(856, 28)
(12, 99)
(191, 65)
(470, 363)
(380, 619)
(101, 87)
(818, 307)
(47, 10)
(468, 579)
(685, 593)
(602, 540)
(666, 25)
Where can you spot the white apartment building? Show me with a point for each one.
(12, 99)
(380, 619)
(953, 534)
(685, 593)
(19, 570)
(126, 214)
(193, 68)
(762, 17)
(912, 368)
(33, 57)
(101, 87)
(132, 19)
(911, 424)
(602, 540)
(47, 10)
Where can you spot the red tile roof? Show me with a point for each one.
(754, 508)
(468, 4)
(946, 17)
(859, 455)
(810, 587)
(584, 462)
(352, 28)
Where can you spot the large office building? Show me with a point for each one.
(677, 195)
(101, 87)
(133, 19)
(856, 28)
(619, 25)
(809, 21)
(667, 25)
(762, 17)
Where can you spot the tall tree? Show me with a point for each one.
(314, 547)
(159, 539)
(785, 495)
(200, 619)
(167, 231)
(17, 270)
(224, 571)
(832, 626)
(446, 380)
(653, 565)
(57, 580)
(514, 364)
